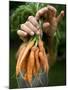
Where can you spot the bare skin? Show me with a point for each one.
(31, 26)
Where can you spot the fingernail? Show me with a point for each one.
(18, 32)
(32, 33)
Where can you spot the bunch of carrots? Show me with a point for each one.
(31, 58)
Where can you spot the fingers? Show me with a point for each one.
(21, 33)
(51, 11)
(27, 29)
(41, 12)
(32, 27)
(33, 21)
(59, 17)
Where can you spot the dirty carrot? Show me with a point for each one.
(44, 62)
(46, 59)
(28, 47)
(35, 69)
(24, 55)
(25, 77)
(37, 59)
(20, 48)
(18, 61)
(24, 65)
(30, 65)
(40, 44)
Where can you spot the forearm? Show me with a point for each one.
(52, 50)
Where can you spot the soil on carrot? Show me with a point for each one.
(57, 74)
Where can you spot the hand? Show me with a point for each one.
(51, 23)
(31, 26)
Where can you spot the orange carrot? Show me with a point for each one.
(28, 47)
(43, 56)
(20, 48)
(34, 69)
(24, 65)
(30, 65)
(23, 56)
(25, 77)
(44, 62)
(40, 44)
(37, 59)
(18, 61)
(46, 59)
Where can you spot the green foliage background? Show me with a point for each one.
(19, 12)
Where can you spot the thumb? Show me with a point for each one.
(60, 16)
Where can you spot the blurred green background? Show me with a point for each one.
(18, 15)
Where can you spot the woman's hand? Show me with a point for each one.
(31, 26)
